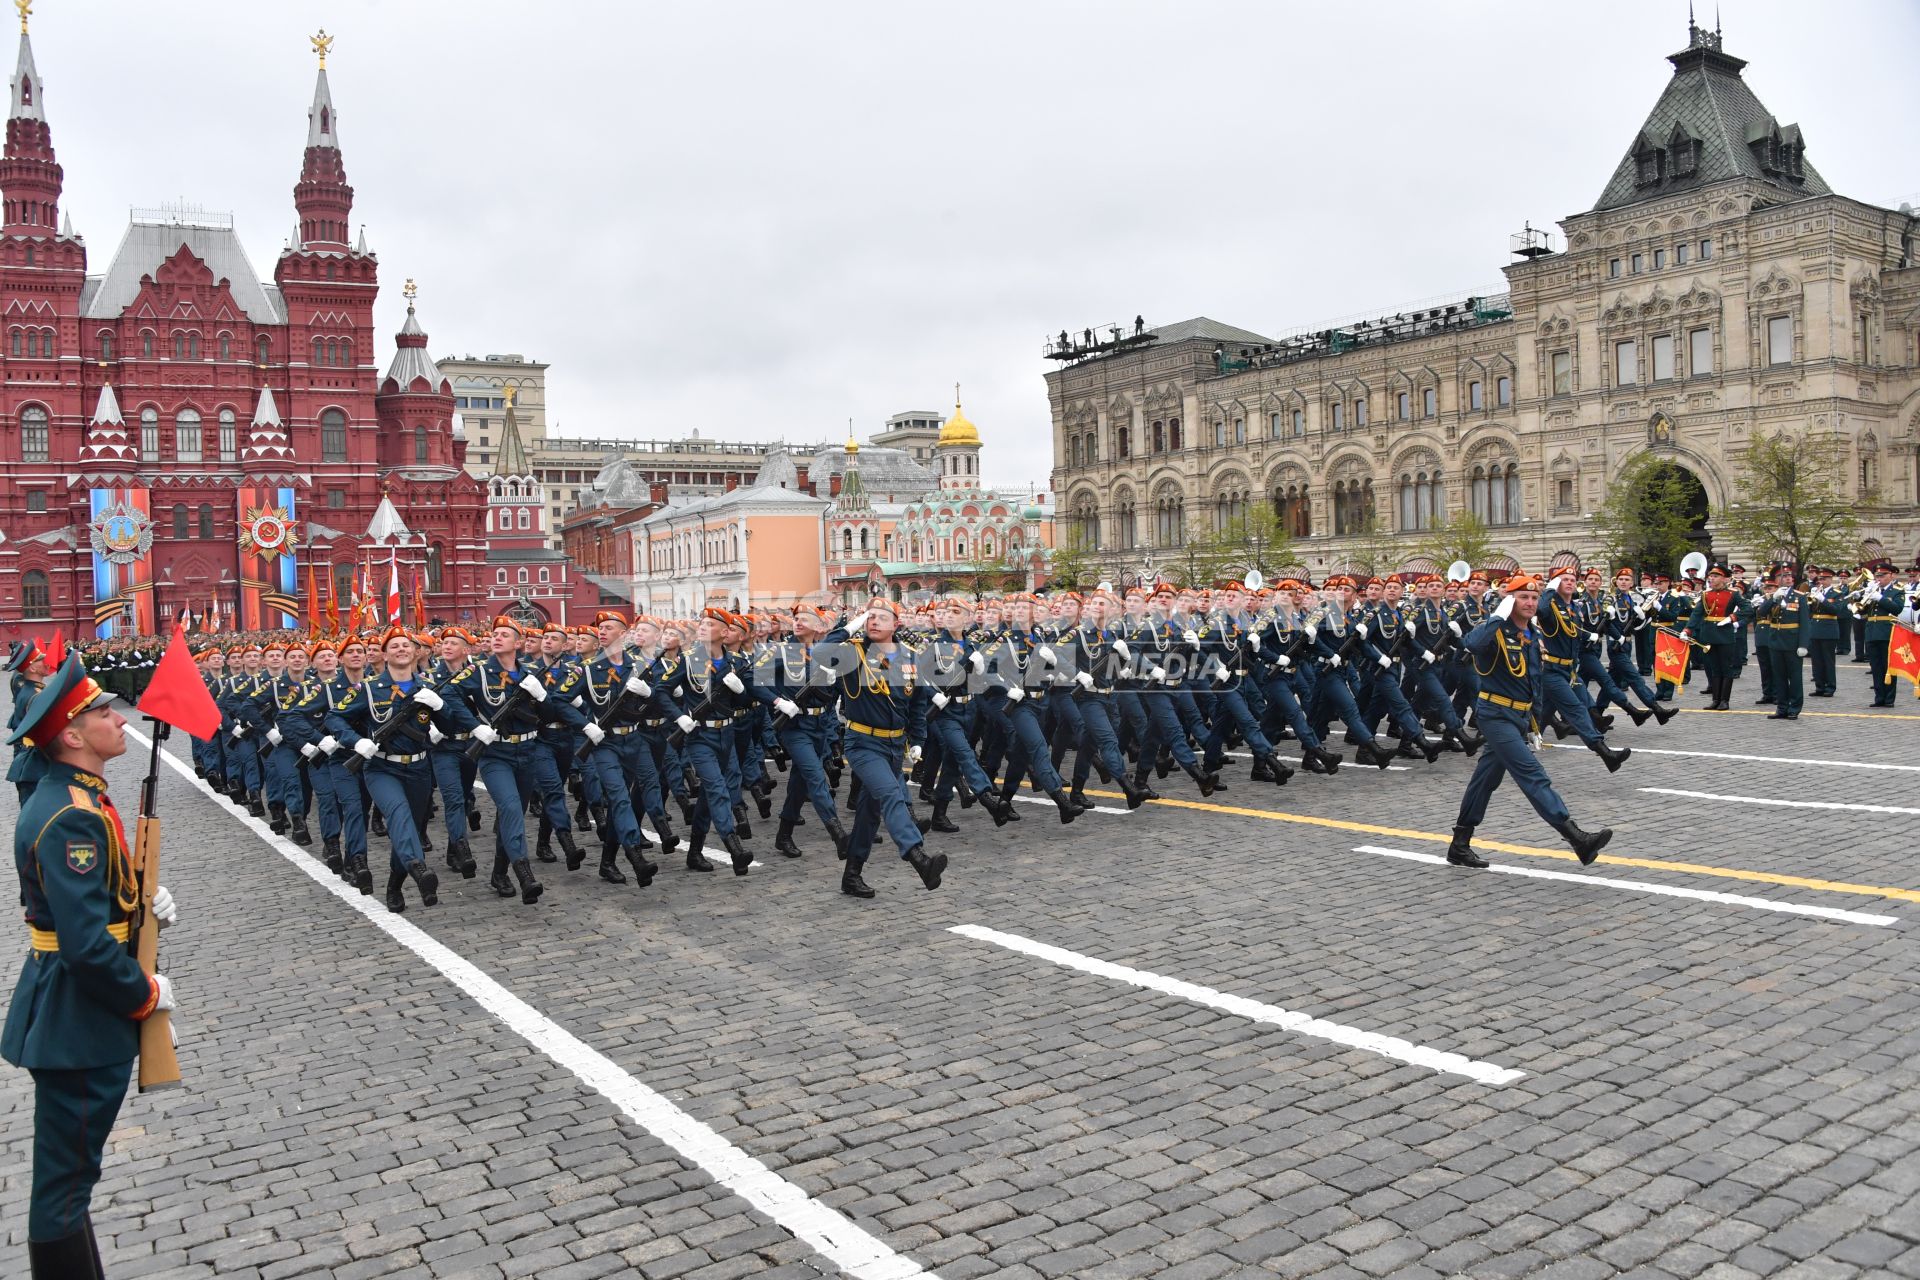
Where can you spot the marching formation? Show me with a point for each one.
(684, 727)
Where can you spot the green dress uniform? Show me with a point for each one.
(1879, 608)
(1786, 622)
(74, 1022)
(1829, 606)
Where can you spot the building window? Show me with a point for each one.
(1299, 422)
(229, 436)
(1564, 494)
(1422, 501)
(333, 436)
(1403, 405)
(1493, 493)
(193, 346)
(1220, 434)
(1273, 426)
(1779, 339)
(150, 435)
(1680, 253)
(36, 502)
(1699, 352)
(35, 442)
(180, 520)
(1123, 524)
(206, 520)
(1706, 250)
(1503, 391)
(1639, 263)
(1474, 398)
(523, 576)
(500, 577)
(1360, 412)
(1613, 269)
(179, 345)
(187, 439)
(1662, 357)
(1173, 434)
(1239, 430)
(106, 344)
(1339, 416)
(146, 343)
(1352, 505)
(1294, 509)
(419, 444)
(543, 573)
(226, 346)
(36, 596)
(1659, 259)
(1073, 451)
(1429, 402)
(1123, 442)
(433, 569)
(1169, 511)
(1626, 363)
(261, 349)
(1159, 437)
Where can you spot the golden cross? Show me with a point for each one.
(321, 43)
(410, 290)
(25, 7)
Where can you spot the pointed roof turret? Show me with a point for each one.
(29, 174)
(853, 490)
(322, 196)
(410, 358)
(267, 442)
(107, 442)
(386, 522)
(512, 460)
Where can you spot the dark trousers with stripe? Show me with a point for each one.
(73, 1112)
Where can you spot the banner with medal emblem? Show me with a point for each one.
(120, 534)
(269, 566)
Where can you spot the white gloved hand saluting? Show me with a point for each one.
(485, 734)
(1504, 609)
(791, 709)
(595, 734)
(164, 909)
(365, 748)
(429, 699)
(859, 624)
(534, 687)
(733, 682)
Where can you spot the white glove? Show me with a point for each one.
(1334, 660)
(1158, 675)
(1686, 635)
(365, 748)
(309, 751)
(1781, 594)
(978, 661)
(1641, 610)
(1284, 662)
(239, 731)
(165, 1002)
(485, 734)
(429, 699)
(1535, 741)
(913, 756)
(595, 734)
(1362, 629)
(940, 700)
(732, 681)
(1120, 647)
(686, 724)
(163, 908)
(1455, 628)
(637, 687)
(859, 624)
(534, 687)
(329, 745)
(1428, 656)
(1592, 638)
(1016, 693)
(1801, 652)
(1084, 679)
(791, 709)
(1313, 633)
(1612, 612)
(1385, 661)
(434, 735)
(577, 701)
(273, 735)
(1190, 637)
(1048, 656)
(1504, 609)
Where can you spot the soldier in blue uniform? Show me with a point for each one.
(1507, 657)
(74, 1021)
(699, 697)
(618, 698)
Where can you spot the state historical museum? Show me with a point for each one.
(183, 438)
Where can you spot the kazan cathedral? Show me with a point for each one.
(181, 438)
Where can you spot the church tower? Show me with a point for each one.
(956, 455)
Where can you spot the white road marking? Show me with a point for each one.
(1645, 886)
(1782, 804)
(849, 1246)
(639, 818)
(1727, 755)
(1248, 755)
(1418, 1055)
(1099, 808)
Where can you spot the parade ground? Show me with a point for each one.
(1269, 1032)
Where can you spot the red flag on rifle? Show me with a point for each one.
(178, 695)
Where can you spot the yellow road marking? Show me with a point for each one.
(1804, 715)
(1532, 851)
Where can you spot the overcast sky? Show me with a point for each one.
(758, 220)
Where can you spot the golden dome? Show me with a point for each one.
(957, 431)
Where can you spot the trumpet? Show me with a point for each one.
(1860, 582)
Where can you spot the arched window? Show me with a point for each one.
(1352, 505)
(500, 577)
(419, 444)
(106, 344)
(1294, 509)
(193, 346)
(433, 568)
(319, 351)
(179, 345)
(206, 520)
(1173, 434)
(1169, 518)
(1513, 494)
(846, 542)
(1159, 437)
(18, 336)
(146, 343)
(1123, 442)
(543, 573)
(36, 596)
(187, 438)
(261, 348)
(523, 575)
(1073, 451)
(229, 436)
(1125, 528)
(526, 518)
(865, 540)
(226, 346)
(35, 439)
(180, 520)
(333, 436)
(150, 434)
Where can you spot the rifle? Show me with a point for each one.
(514, 702)
(159, 1067)
(605, 718)
(385, 734)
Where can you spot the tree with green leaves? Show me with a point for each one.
(1792, 501)
(1464, 536)
(1651, 514)
(1073, 565)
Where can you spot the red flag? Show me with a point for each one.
(1903, 656)
(56, 651)
(393, 588)
(178, 695)
(313, 602)
(419, 604)
(1670, 655)
(333, 606)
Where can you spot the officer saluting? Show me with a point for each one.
(75, 1018)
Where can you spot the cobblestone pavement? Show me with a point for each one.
(1706, 1087)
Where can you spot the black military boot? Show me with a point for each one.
(1006, 794)
(277, 818)
(602, 816)
(330, 850)
(1207, 782)
(1079, 798)
(1370, 753)
(996, 808)
(1144, 787)
(377, 822)
(763, 799)
(1136, 796)
(582, 814)
(1064, 803)
(850, 882)
(498, 881)
(929, 865)
(1638, 715)
(741, 826)
(1603, 723)
(572, 850)
(644, 870)
(783, 840)
(741, 855)
(360, 873)
(530, 889)
(610, 862)
(427, 882)
(1281, 771)
(396, 891)
(1460, 853)
(837, 834)
(543, 847)
(1321, 760)
(1262, 771)
(1614, 756)
(1663, 713)
(1586, 845)
(664, 829)
(255, 806)
(473, 817)
(460, 858)
(1467, 741)
(924, 824)
(1163, 764)
(68, 1258)
(697, 861)
(941, 822)
(301, 835)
